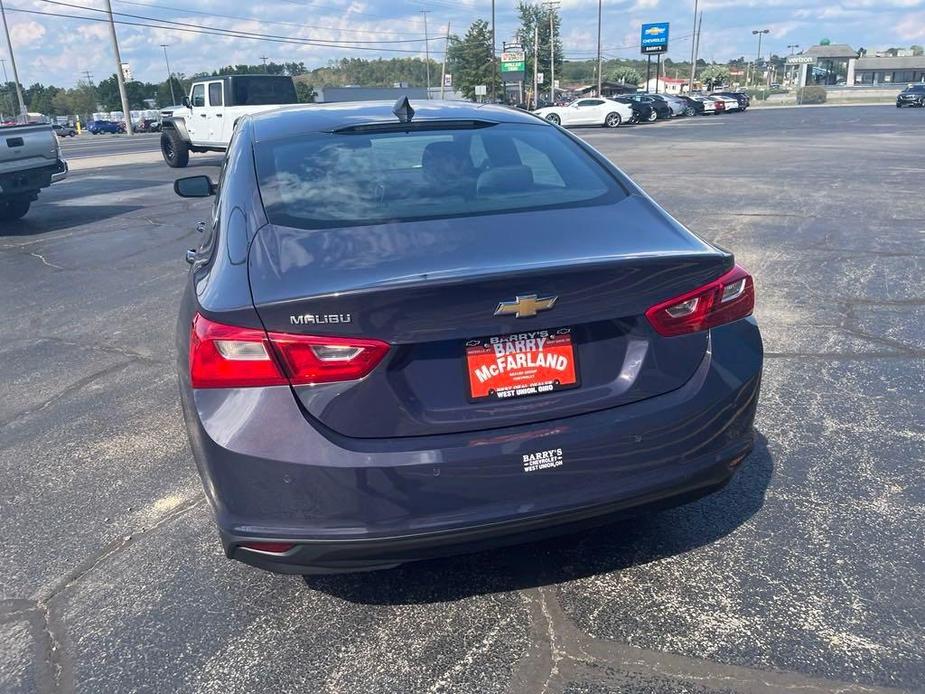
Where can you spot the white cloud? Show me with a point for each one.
(26, 32)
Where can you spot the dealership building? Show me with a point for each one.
(840, 64)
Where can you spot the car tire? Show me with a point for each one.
(174, 150)
(613, 120)
(554, 119)
(13, 209)
(653, 116)
(689, 111)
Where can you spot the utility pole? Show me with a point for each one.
(494, 54)
(536, 60)
(264, 58)
(426, 51)
(446, 49)
(690, 82)
(6, 85)
(173, 97)
(88, 76)
(120, 78)
(22, 104)
(697, 43)
(551, 6)
(599, 2)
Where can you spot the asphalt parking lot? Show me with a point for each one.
(805, 573)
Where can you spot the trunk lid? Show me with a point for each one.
(431, 288)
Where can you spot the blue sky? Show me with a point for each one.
(58, 50)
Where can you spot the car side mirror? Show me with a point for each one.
(186, 102)
(194, 187)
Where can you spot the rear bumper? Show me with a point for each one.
(312, 556)
(354, 504)
(61, 172)
(31, 180)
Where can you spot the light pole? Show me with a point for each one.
(22, 104)
(599, 2)
(690, 82)
(173, 98)
(790, 70)
(760, 33)
(426, 52)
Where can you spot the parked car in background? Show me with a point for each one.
(913, 95)
(730, 103)
(661, 108)
(692, 107)
(594, 111)
(105, 126)
(675, 104)
(642, 112)
(743, 98)
(30, 159)
(63, 130)
(707, 104)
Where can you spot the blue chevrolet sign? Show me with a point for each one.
(654, 38)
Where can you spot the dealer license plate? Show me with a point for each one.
(528, 363)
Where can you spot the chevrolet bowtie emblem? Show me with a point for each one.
(525, 306)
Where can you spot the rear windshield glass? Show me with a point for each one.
(262, 91)
(331, 179)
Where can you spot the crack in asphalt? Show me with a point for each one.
(561, 653)
(55, 669)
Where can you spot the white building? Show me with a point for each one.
(667, 85)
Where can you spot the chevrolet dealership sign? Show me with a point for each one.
(654, 38)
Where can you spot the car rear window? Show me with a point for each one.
(336, 179)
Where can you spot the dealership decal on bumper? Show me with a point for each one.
(543, 460)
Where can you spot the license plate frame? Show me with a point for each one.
(530, 376)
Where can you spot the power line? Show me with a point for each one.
(173, 8)
(207, 31)
(235, 31)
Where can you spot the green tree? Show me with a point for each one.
(713, 75)
(917, 49)
(470, 60)
(108, 93)
(535, 15)
(304, 91)
(81, 100)
(623, 73)
(39, 98)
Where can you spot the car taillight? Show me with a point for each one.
(723, 300)
(228, 356)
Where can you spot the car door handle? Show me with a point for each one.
(219, 115)
(202, 115)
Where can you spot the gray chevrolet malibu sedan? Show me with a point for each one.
(425, 329)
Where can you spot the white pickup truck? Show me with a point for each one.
(210, 111)
(30, 159)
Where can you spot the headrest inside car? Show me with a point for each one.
(505, 179)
